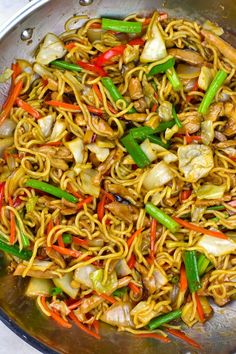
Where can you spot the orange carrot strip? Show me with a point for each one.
(154, 107)
(70, 45)
(11, 100)
(153, 237)
(72, 191)
(16, 71)
(55, 315)
(101, 208)
(28, 108)
(185, 194)
(134, 288)
(66, 251)
(73, 107)
(85, 201)
(79, 241)
(106, 297)
(12, 223)
(98, 93)
(183, 279)
(53, 143)
(131, 261)
(96, 326)
(83, 327)
(155, 336)
(135, 234)
(199, 229)
(199, 308)
(75, 305)
(183, 336)
(49, 226)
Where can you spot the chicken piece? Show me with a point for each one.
(225, 48)
(140, 105)
(128, 213)
(60, 164)
(215, 111)
(103, 128)
(104, 167)
(230, 113)
(191, 122)
(189, 56)
(136, 117)
(135, 89)
(219, 136)
(120, 190)
(226, 144)
(60, 152)
(195, 161)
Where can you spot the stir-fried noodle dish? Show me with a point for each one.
(117, 174)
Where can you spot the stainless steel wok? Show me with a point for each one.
(21, 314)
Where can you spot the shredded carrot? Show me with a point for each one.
(53, 143)
(153, 237)
(185, 194)
(79, 241)
(184, 337)
(191, 138)
(85, 201)
(155, 336)
(73, 107)
(75, 305)
(72, 191)
(60, 241)
(83, 327)
(96, 326)
(11, 100)
(199, 229)
(199, 308)
(2, 186)
(28, 108)
(135, 234)
(106, 297)
(109, 196)
(131, 261)
(55, 315)
(12, 223)
(101, 207)
(95, 25)
(99, 95)
(70, 45)
(134, 288)
(16, 71)
(154, 107)
(183, 279)
(66, 251)
(49, 226)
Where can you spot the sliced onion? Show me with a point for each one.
(7, 128)
(87, 182)
(76, 146)
(186, 71)
(101, 153)
(122, 269)
(118, 315)
(155, 48)
(217, 246)
(51, 49)
(46, 124)
(82, 275)
(210, 191)
(158, 176)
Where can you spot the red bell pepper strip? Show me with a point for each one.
(93, 68)
(2, 186)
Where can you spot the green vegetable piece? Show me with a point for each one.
(114, 92)
(174, 79)
(135, 151)
(142, 133)
(48, 188)
(56, 291)
(24, 238)
(216, 207)
(162, 217)
(121, 26)
(157, 140)
(161, 68)
(175, 279)
(164, 125)
(61, 64)
(202, 264)
(160, 320)
(67, 238)
(212, 91)
(191, 267)
(120, 292)
(176, 118)
(15, 251)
